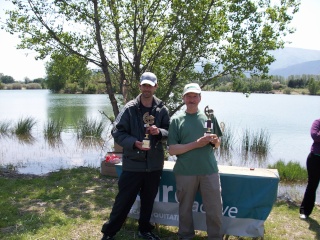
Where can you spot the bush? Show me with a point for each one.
(287, 91)
(91, 89)
(33, 86)
(290, 172)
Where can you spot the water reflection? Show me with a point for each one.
(70, 109)
(26, 139)
(54, 143)
(91, 142)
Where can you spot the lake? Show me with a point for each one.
(286, 118)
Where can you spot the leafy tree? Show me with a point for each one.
(7, 79)
(313, 86)
(265, 86)
(27, 80)
(125, 38)
(66, 69)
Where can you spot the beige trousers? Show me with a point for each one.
(210, 190)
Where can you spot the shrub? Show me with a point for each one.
(287, 91)
(290, 172)
(33, 86)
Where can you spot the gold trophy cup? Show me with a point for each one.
(148, 120)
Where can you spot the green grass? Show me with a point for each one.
(290, 172)
(73, 204)
(90, 128)
(4, 128)
(24, 126)
(53, 128)
(257, 143)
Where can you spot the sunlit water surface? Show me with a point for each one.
(286, 118)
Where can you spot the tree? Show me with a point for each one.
(313, 86)
(63, 69)
(7, 79)
(125, 38)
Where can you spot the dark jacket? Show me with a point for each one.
(129, 128)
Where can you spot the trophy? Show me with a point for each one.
(147, 119)
(209, 114)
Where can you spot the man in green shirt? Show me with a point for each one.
(196, 168)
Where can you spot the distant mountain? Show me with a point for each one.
(295, 61)
(291, 61)
(311, 67)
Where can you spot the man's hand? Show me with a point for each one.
(210, 138)
(154, 130)
(139, 144)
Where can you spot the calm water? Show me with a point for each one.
(287, 119)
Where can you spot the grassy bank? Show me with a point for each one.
(73, 204)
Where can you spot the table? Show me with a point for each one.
(247, 194)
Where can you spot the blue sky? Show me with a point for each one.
(21, 63)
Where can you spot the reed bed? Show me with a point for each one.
(257, 143)
(53, 129)
(90, 128)
(4, 128)
(24, 126)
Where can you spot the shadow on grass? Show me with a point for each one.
(314, 226)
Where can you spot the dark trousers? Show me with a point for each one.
(130, 185)
(313, 168)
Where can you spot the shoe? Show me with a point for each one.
(148, 235)
(106, 237)
(303, 216)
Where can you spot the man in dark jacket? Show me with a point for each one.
(145, 117)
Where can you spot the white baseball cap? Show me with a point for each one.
(148, 78)
(192, 87)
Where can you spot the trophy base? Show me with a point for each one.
(146, 143)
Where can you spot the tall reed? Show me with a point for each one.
(257, 143)
(53, 128)
(4, 128)
(24, 126)
(227, 141)
(90, 128)
(260, 142)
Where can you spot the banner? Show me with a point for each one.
(247, 194)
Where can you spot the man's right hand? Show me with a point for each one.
(139, 144)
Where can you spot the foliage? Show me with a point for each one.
(6, 79)
(4, 128)
(24, 126)
(257, 143)
(126, 38)
(290, 172)
(90, 128)
(33, 86)
(287, 90)
(313, 87)
(67, 71)
(53, 128)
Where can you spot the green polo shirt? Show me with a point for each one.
(186, 128)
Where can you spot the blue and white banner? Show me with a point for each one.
(247, 194)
